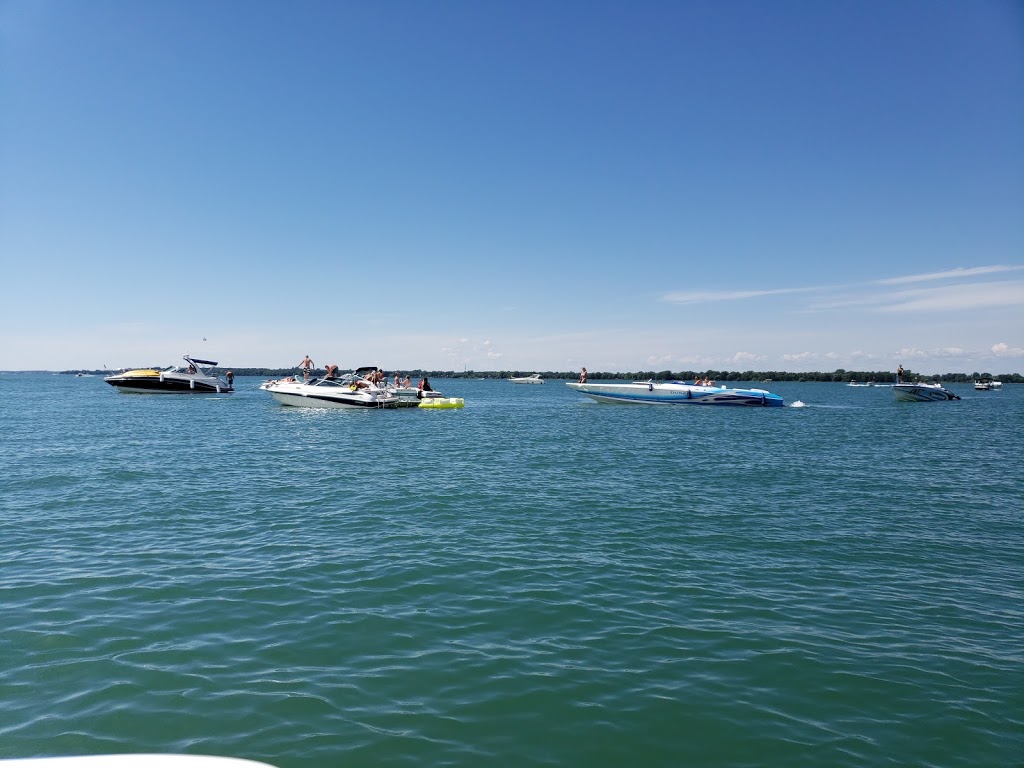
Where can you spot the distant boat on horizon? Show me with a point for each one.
(533, 378)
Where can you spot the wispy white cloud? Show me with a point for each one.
(938, 353)
(808, 358)
(962, 294)
(1005, 350)
(949, 274)
(742, 358)
(700, 297)
(937, 299)
(466, 350)
(954, 297)
(798, 357)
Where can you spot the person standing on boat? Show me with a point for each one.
(899, 375)
(231, 379)
(307, 365)
(583, 376)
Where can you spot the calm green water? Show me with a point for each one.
(532, 580)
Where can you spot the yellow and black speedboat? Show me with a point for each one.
(194, 377)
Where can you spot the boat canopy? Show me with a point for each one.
(201, 362)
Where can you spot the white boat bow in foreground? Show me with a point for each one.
(675, 393)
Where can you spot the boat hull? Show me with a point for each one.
(922, 393)
(167, 385)
(330, 393)
(410, 397)
(675, 393)
(301, 400)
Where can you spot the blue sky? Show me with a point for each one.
(513, 186)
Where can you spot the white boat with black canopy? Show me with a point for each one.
(195, 377)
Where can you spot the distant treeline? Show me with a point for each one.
(840, 374)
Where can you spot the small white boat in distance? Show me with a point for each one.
(533, 378)
(922, 392)
(986, 384)
(675, 393)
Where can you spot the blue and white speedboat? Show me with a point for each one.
(675, 393)
(922, 393)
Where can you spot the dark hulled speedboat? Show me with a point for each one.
(195, 377)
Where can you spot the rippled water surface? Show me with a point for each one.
(532, 580)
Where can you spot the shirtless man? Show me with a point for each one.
(307, 365)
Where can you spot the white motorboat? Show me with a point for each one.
(411, 397)
(986, 384)
(675, 393)
(193, 378)
(922, 392)
(350, 390)
(533, 378)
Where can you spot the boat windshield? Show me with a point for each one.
(200, 366)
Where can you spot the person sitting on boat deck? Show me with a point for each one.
(406, 382)
(191, 368)
(331, 371)
(424, 385)
(583, 376)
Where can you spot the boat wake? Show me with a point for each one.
(798, 404)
